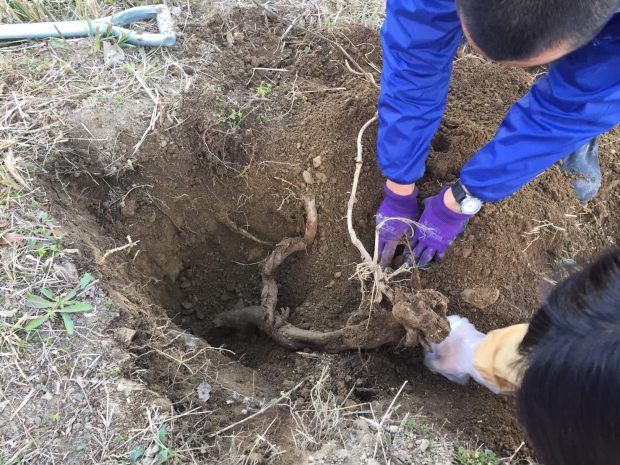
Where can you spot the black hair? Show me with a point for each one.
(520, 29)
(569, 399)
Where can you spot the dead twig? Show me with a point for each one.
(261, 411)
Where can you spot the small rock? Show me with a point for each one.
(113, 54)
(68, 271)
(316, 161)
(127, 385)
(337, 274)
(467, 252)
(307, 175)
(187, 305)
(371, 461)
(393, 429)
(124, 335)
(204, 391)
(163, 404)
(330, 284)
(424, 445)
(321, 177)
(480, 297)
(298, 145)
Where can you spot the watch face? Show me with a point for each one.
(471, 205)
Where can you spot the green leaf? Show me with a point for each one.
(86, 280)
(69, 295)
(162, 433)
(163, 456)
(136, 454)
(33, 300)
(66, 317)
(76, 307)
(49, 294)
(34, 324)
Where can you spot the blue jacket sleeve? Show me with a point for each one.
(577, 100)
(419, 40)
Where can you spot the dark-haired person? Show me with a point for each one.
(560, 117)
(564, 367)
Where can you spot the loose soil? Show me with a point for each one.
(209, 166)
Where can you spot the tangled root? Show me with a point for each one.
(416, 318)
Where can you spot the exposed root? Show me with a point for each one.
(224, 219)
(287, 246)
(415, 318)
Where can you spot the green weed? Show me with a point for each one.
(264, 89)
(464, 456)
(261, 117)
(46, 244)
(136, 454)
(218, 94)
(62, 305)
(233, 119)
(113, 372)
(165, 453)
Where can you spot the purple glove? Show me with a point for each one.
(439, 227)
(390, 232)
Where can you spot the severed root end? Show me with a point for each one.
(423, 315)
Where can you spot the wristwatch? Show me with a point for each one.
(470, 205)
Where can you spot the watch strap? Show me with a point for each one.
(458, 192)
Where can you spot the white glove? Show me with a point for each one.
(454, 356)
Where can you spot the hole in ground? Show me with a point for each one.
(192, 264)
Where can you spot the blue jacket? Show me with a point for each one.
(578, 99)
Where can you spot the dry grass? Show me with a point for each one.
(59, 400)
(21, 11)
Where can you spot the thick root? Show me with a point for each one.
(416, 319)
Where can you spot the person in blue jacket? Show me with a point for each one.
(559, 119)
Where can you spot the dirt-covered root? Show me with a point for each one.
(285, 247)
(415, 318)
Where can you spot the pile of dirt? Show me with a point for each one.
(275, 115)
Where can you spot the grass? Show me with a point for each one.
(27, 11)
(38, 289)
